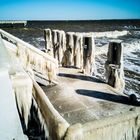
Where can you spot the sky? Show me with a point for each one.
(69, 9)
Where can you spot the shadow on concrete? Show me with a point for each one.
(81, 77)
(108, 97)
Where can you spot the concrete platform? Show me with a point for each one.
(82, 99)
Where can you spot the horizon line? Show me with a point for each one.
(69, 20)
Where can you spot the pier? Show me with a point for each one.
(12, 23)
(60, 83)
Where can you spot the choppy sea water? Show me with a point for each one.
(33, 34)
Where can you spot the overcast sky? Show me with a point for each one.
(69, 9)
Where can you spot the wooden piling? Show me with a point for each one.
(114, 66)
(77, 50)
(88, 55)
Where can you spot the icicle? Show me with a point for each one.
(51, 71)
(23, 86)
(21, 53)
(44, 126)
(37, 62)
(121, 129)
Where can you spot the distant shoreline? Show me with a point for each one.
(48, 23)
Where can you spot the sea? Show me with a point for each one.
(126, 31)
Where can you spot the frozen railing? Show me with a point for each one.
(26, 89)
(4, 58)
(32, 58)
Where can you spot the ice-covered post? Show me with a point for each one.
(88, 55)
(48, 41)
(55, 42)
(59, 44)
(68, 53)
(62, 45)
(77, 50)
(114, 66)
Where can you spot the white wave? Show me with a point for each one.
(136, 33)
(132, 46)
(40, 39)
(111, 34)
(131, 27)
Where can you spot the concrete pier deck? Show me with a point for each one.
(81, 99)
(74, 106)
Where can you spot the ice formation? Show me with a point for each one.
(37, 62)
(69, 50)
(55, 38)
(77, 50)
(60, 47)
(22, 86)
(59, 44)
(49, 117)
(44, 126)
(125, 127)
(48, 41)
(89, 54)
(114, 67)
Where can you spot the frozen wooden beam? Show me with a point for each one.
(55, 40)
(48, 41)
(59, 44)
(114, 66)
(78, 50)
(68, 53)
(88, 55)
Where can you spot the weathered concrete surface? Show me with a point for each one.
(92, 108)
(81, 99)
